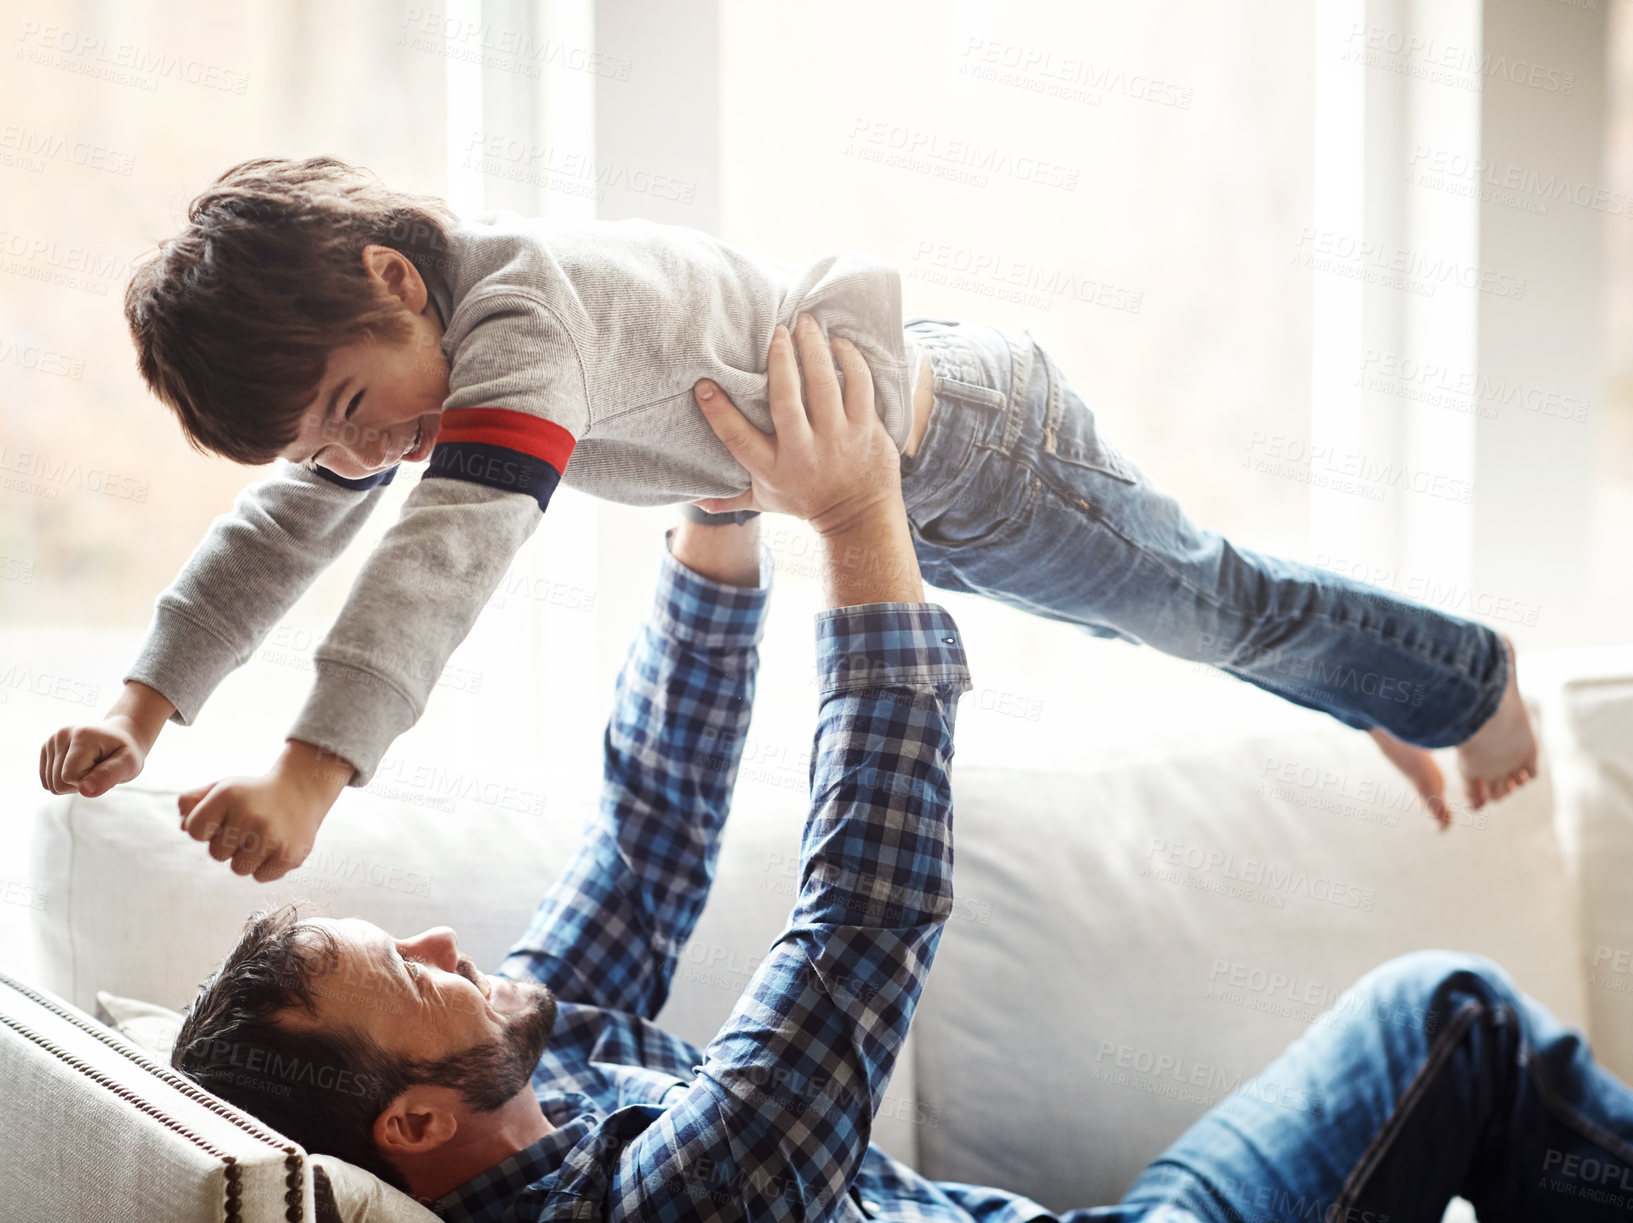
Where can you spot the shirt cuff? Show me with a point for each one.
(708, 614)
(354, 714)
(875, 644)
(183, 662)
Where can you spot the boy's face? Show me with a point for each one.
(379, 404)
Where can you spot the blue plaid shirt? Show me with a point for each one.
(771, 1121)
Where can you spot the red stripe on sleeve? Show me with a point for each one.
(543, 439)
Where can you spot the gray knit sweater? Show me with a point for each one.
(581, 341)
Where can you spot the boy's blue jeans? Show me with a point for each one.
(1013, 493)
(1431, 1077)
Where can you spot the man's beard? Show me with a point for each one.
(489, 1074)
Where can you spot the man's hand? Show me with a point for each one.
(266, 825)
(831, 461)
(834, 465)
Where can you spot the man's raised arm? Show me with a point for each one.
(779, 1117)
(610, 930)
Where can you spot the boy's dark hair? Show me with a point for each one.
(234, 317)
(322, 1089)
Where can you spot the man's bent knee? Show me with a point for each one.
(1421, 989)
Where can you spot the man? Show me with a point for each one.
(545, 1091)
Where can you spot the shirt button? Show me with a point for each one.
(872, 1207)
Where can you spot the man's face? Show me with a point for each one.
(420, 999)
(378, 404)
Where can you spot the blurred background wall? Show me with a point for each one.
(1350, 279)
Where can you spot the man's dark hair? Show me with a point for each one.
(324, 1088)
(321, 1088)
(234, 318)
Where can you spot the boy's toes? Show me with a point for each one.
(1501, 755)
(1439, 809)
(1481, 791)
(1419, 767)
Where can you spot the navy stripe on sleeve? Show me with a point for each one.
(378, 480)
(494, 466)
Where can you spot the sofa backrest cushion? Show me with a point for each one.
(1128, 946)
(1588, 725)
(135, 908)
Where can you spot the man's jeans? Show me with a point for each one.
(1013, 493)
(1431, 1077)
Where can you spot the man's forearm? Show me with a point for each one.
(871, 560)
(830, 1003)
(727, 553)
(610, 930)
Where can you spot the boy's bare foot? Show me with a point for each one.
(1495, 760)
(1418, 763)
(1501, 756)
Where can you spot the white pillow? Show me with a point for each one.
(150, 1026)
(363, 1197)
(360, 1196)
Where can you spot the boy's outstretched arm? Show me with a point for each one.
(610, 930)
(504, 438)
(416, 598)
(246, 573)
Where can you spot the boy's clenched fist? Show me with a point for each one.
(92, 759)
(265, 825)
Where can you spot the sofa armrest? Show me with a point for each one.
(96, 1128)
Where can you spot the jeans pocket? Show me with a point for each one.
(994, 500)
(948, 443)
(1070, 435)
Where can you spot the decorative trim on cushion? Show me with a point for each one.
(232, 1171)
(293, 1162)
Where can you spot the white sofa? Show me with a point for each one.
(1128, 944)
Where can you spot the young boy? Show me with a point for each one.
(308, 312)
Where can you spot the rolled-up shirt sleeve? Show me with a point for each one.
(780, 1114)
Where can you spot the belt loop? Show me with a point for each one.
(1055, 407)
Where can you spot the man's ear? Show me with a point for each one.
(395, 272)
(420, 1120)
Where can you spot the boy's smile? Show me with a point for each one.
(379, 403)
